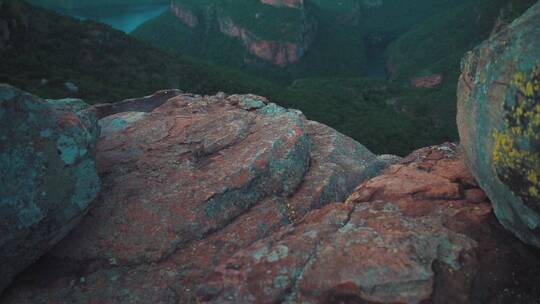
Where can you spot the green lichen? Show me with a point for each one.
(251, 104)
(7, 92)
(516, 154)
(280, 252)
(272, 109)
(68, 148)
(87, 184)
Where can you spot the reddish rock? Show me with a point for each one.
(427, 82)
(406, 236)
(48, 175)
(475, 195)
(187, 182)
(185, 15)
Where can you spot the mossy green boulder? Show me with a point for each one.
(48, 179)
(499, 122)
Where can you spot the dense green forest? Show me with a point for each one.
(332, 82)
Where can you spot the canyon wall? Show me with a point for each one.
(260, 29)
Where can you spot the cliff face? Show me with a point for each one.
(278, 32)
(221, 199)
(277, 52)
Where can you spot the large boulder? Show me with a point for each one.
(499, 122)
(421, 232)
(187, 182)
(49, 176)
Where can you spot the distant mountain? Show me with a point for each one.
(290, 39)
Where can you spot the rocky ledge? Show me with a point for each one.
(187, 182)
(421, 232)
(232, 199)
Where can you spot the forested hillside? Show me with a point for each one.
(334, 44)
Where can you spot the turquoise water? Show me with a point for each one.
(124, 18)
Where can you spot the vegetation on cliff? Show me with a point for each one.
(46, 53)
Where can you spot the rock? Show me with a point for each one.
(142, 104)
(475, 195)
(70, 86)
(263, 32)
(405, 236)
(499, 122)
(427, 82)
(49, 177)
(70, 104)
(187, 182)
(185, 15)
(277, 52)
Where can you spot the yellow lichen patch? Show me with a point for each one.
(516, 154)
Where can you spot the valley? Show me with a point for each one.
(371, 69)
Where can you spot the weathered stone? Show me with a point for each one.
(187, 183)
(69, 104)
(406, 236)
(499, 122)
(48, 179)
(427, 82)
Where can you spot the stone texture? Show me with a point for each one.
(286, 3)
(187, 183)
(427, 82)
(49, 177)
(406, 236)
(499, 122)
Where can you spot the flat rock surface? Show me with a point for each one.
(187, 182)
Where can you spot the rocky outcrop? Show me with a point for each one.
(427, 82)
(185, 15)
(211, 200)
(280, 53)
(499, 122)
(49, 177)
(187, 182)
(422, 232)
